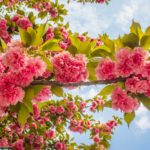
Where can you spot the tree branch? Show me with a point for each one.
(87, 83)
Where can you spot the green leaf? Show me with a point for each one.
(131, 40)
(129, 117)
(58, 91)
(41, 30)
(75, 41)
(109, 43)
(84, 48)
(25, 37)
(23, 114)
(144, 100)
(108, 104)
(27, 101)
(102, 51)
(36, 40)
(91, 68)
(107, 90)
(48, 63)
(3, 44)
(51, 45)
(136, 29)
(145, 42)
(147, 32)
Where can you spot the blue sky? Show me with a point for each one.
(114, 19)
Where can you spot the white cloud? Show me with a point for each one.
(127, 13)
(86, 18)
(143, 121)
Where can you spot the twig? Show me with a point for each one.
(76, 84)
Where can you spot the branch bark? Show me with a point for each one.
(70, 84)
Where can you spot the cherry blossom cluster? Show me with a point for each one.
(3, 31)
(46, 7)
(22, 22)
(120, 100)
(17, 71)
(35, 135)
(130, 64)
(100, 1)
(68, 68)
(43, 95)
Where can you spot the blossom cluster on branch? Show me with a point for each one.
(39, 60)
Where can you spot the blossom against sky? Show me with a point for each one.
(114, 19)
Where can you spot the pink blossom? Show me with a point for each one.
(54, 13)
(34, 125)
(24, 23)
(65, 33)
(3, 142)
(36, 66)
(111, 124)
(52, 109)
(15, 60)
(69, 114)
(36, 111)
(50, 33)
(3, 31)
(106, 69)
(145, 71)
(120, 100)
(59, 120)
(82, 105)
(50, 134)
(68, 68)
(131, 84)
(60, 110)
(46, 74)
(15, 18)
(123, 54)
(19, 145)
(3, 24)
(59, 146)
(96, 139)
(143, 86)
(82, 38)
(3, 111)
(96, 131)
(100, 101)
(100, 1)
(47, 6)
(99, 42)
(2, 66)
(63, 45)
(138, 57)
(71, 106)
(9, 93)
(24, 77)
(43, 95)
(123, 62)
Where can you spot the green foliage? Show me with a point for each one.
(130, 40)
(58, 91)
(129, 117)
(145, 42)
(107, 90)
(26, 105)
(101, 51)
(51, 45)
(136, 29)
(144, 100)
(23, 114)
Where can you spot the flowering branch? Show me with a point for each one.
(88, 83)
